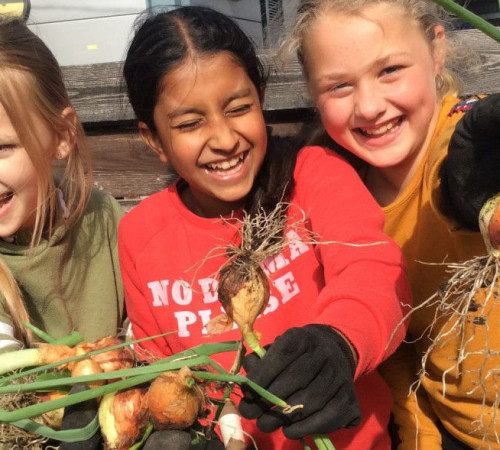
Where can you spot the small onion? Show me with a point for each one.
(54, 417)
(120, 358)
(122, 418)
(174, 400)
(243, 292)
(87, 367)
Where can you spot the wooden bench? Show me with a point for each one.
(125, 167)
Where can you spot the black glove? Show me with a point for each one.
(180, 440)
(313, 366)
(78, 416)
(171, 439)
(471, 172)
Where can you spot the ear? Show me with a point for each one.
(439, 48)
(66, 136)
(152, 141)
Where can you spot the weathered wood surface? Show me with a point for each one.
(124, 166)
(98, 94)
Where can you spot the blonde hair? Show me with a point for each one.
(15, 305)
(32, 90)
(32, 86)
(427, 13)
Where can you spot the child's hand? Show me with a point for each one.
(470, 173)
(311, 366)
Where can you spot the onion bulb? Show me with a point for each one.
(122, 418)
(120, 358)
(174, 400)
(243, 292)
(87, 367)
(53, 418)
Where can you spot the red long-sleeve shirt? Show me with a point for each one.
(170, 259)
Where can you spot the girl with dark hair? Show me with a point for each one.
(196, 86)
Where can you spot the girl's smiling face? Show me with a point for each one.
(372, 76)
(210, 128)
(18, 180)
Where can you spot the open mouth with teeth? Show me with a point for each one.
(228, 166)
(382, 130)
(5, 198)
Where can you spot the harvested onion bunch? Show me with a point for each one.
(20, 383)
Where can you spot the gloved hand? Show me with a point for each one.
(313, 366)
(171, 439)
(179, 440)
(471, 172)
(78, 416)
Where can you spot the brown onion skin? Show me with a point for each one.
(130, 418)
(120, 358)
(172, 404)
(54, 353)
(54, 417)
(87, 367)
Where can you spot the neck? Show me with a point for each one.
(207, 207)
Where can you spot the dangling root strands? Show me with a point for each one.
(468, 296)
(465, 313)
(263, 234)
(12, 437)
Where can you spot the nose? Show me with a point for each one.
(223, 136)
(370, 102)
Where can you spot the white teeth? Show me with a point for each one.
(381, 130)
(226, 165)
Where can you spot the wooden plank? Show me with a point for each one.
(124, 166)
(99, 96)
(485, 78)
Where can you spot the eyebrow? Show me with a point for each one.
(378, 63)
(181, 111)
(236, 95)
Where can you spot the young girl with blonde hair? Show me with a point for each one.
(377, 72)
(57, 236)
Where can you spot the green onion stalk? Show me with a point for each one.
(117, 380)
